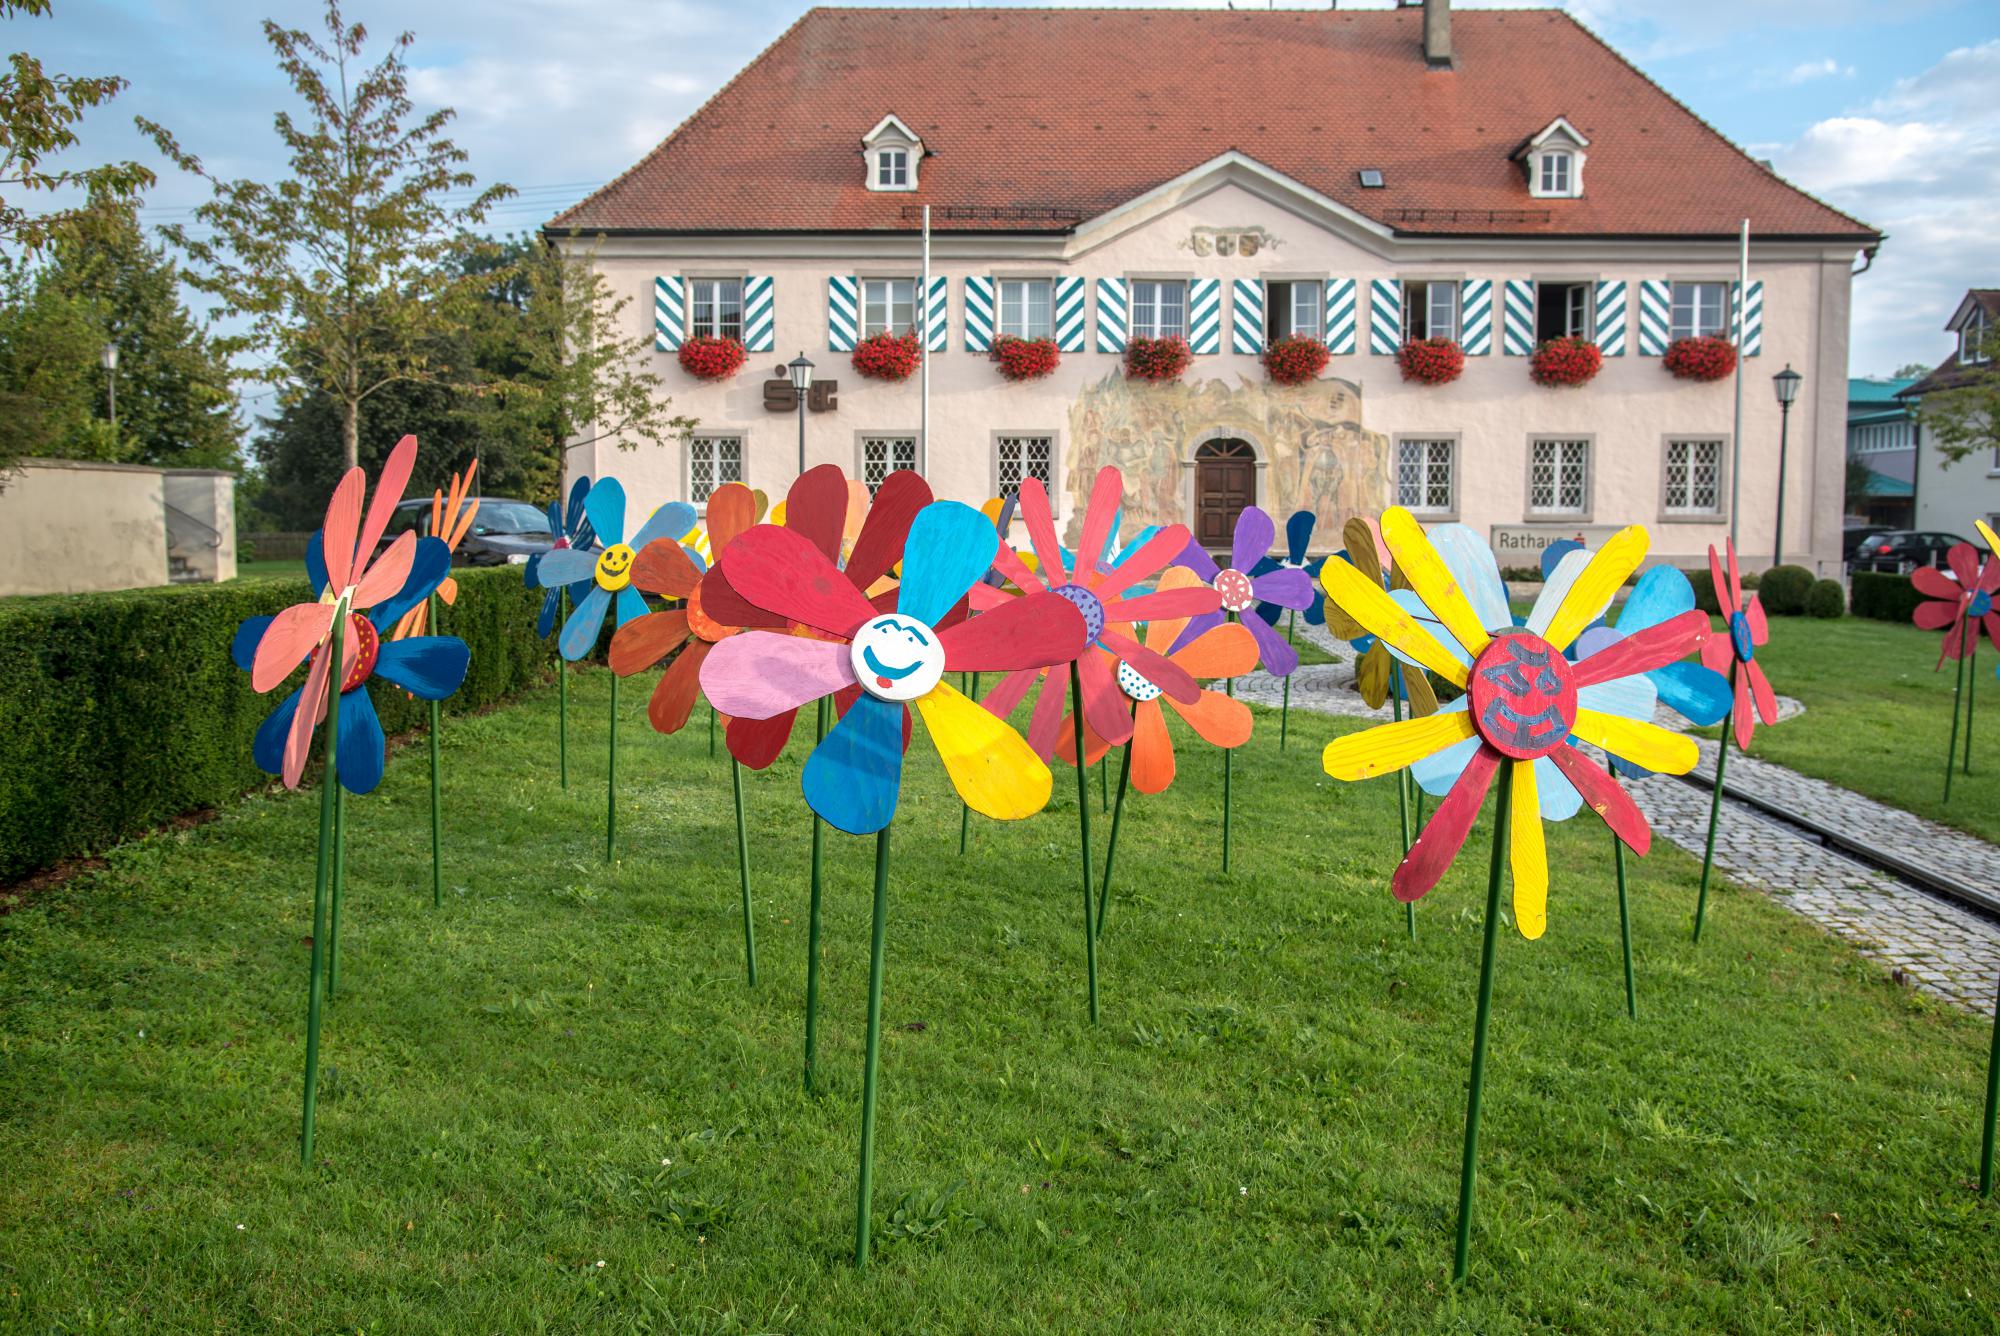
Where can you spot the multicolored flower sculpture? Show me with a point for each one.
(608, 570)
(571, 529)
(1287, 587)
(1377, 672)
(1734, 654)
(1959, 604)
(1298, 541)
(1100, 596)
(1697, 693)
(450, 520)
(1523, 702)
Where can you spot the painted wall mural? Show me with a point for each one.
(1317, 453)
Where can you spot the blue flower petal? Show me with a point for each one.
(316, 561)
(243, 649)
(579, 490)
(1700, 694)
(1559, 799)
(631, 603)
(1436, 773)
(673, 520)
(566, 565)
(428, 568)
(852, 779)
(363, 749)
(605, 505)
(579, 633)
(268, 750)
(1469, 558)
(430, 667)
(1661, 593)
(950, 547)
(547, 621)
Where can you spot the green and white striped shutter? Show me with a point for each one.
(1246, 316)
(843, 312)
(1112, 315)
(669, 313)
(1385, 316)
(978, 314)
(1069, 315)
(758, 290)
(1475, 322)
(1656, 298)
(1753, 318)
(937, 321)
(1205, 315)
(1340, 315)
(1517, 317)
(1609, 305)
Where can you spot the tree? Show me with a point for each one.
(1962, 417)
(49, 347)
(340, 269)
(1911, 371)
(39, 113)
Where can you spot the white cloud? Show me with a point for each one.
(1818, 69)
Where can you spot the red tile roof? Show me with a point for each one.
(1038, 119)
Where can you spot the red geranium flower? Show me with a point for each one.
(1565, 361)
(1295, 361)
(708, 358)
(1707, 357)
(1162, 359)
(1431, 361)
(888, 356)
(1025, 359)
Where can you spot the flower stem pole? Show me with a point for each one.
(1971, 685)
(1715, 815)
(812, 930)
(437, 800)
(1104, 783)
(743, 872)
(1951, 753)
(1083, 825)
(1285, 710)
(711, 732)
(874, 1059)
(964, 812)
(1402, 794)
(562, 695)
(1117, 815)
(611, 781)
(339, 884)
(329, 783)
(1992, 1105)
(1468, 1174)
(1624, 916)
(1228, 757)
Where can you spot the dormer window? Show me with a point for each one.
(1972, 338)
(1554, 161)
(892, 152)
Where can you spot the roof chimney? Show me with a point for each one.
(1437, 34)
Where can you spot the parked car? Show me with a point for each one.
(1857, 533)
(1903, 549)
(504, 531)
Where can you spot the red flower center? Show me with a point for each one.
(367, 648)
(1523, 696)
(1234, 586)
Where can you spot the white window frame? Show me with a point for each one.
(1437, 450)
(892, 167)
(1567, 455)
(1147, 295)
(1972, 339)
(1439, 296)
(724, 312)
(1686, 510)
(1556, 174)
(1685, 309)
(882, 172)
(720, 470)
(878, 298)
(899, 450)
(1282, 318)
(1014, 308)
(1022, 442)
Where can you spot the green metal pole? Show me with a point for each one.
(1624, 917)
(711, 732)
(1285, 710)
(1468, 1174)
(1992, 1104)
(339, 884)
(1403, 797)
(871, 1070)
(1951, 753)
(1117, 814)
(1083, 825)
(743, 872)
(437, 800)
(964, 812)
(1971, 686)
(611, 781)
(562, 693)
(1104, 782)
(329, 783)
(1714, 815)
(812, 931)
(1228, 755)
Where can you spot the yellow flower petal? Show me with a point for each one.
(1986, 532)
(1527, 853)
(1390, 747)
(994, 770)
(1594, 589)
(1432, 579)
(1635, 740)
(1370, 604)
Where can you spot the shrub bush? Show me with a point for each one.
(1885, 596)
(124, 710)
(1704, 590)
(1783, 589)
(1826, 599)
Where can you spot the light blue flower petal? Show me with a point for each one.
(1662, 593)
(565, 565)
(673, 520)
(631, 603)
(1555, 589)
(1469, 558)
(950, 547)
(605, 505)
(1700, 694)
(1559, 799)
(1436, 773)
(1627, 697)
(1407, 600)
(579, 633)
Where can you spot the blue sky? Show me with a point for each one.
(1885, 108)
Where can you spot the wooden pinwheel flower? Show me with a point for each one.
(1527, 703)
(897, 658)
(1734, 654)
(1960, 604)
(451, 519)
(571, 529)
(1298, 543)
(1378, 675)
(1283, 589)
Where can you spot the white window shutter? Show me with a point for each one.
(1385, 317)
(978, 314)
(1517, 317)
(1246, 316)
(937, 318)
(1753, 318)
(1069, 315)
(669, 313)
(843, 312)
(1205, 315)
(1609, 304)
(1340, 315)
(1113, 319)
(1656, 298)
(1475, 322)
(757, 313)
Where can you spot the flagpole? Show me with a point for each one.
(1736, 432)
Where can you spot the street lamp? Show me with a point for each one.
(108, 359)
(801, 372)
(1786, 385)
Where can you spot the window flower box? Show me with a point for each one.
(1159, 360)
(1431, 361)
(708, 358)
(1025, 359)
(1295, 361)
(1706, 357)
(1565, 361)
(891, 357)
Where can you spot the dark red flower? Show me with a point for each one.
(1431, 361)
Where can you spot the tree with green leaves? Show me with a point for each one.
(1961, 416)
(340, 269)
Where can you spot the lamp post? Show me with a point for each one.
(108, 359)
(801, 372)
(1786, 385)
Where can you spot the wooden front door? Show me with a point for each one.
(1225, 481)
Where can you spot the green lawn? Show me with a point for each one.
(264, 570)
(554, 1105)
(1878, 719)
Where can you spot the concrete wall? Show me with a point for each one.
(201, 524)
(71, 526)
(1493, 409)
(1951, 496)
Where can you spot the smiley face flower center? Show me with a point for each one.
(897, 657)
(1234, 586)
(1522, 696)
(614, 567)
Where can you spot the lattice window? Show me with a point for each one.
(1423, 476)
(1559, 477)
(883, 455)
(713, 461)
(1694, 477)
(1023, 457)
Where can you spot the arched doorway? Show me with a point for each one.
(1225, 481)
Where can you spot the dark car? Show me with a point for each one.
(504, 531)
(1856, 534)
(1903, 549)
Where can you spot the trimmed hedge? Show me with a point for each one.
(1783, 590)
(1826, 600)
(1704, 589)
(1885, 596)
(123, 711)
